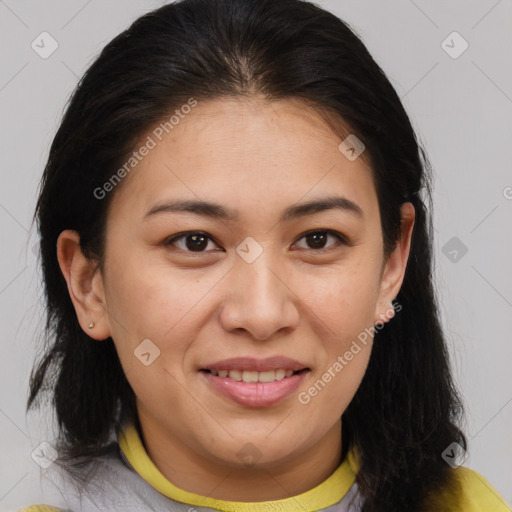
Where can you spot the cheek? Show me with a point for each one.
(148, 301)
(327, 395)
(344, 299)
(345, 303)
(150, 298)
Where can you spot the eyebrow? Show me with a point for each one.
(217, 211)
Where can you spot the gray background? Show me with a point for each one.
(461, 108)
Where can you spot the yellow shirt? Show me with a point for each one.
(478, 494)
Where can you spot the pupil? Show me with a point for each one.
(198, 242)
(318, 240)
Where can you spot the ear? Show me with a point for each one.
(85, 285)
(394, 269)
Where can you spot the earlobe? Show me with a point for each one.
(386, 313)
(394, 270)
(85, 285)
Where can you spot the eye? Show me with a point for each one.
(318, 239)
(197, 241)
(190, 241)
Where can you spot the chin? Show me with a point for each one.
(254, 452)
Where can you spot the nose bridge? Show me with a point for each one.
(259, 302)
(259, 281)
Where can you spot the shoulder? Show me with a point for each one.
(105, 483)
(478, 494)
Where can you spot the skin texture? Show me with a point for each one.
(295, 300)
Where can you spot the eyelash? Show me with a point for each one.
(341, 239)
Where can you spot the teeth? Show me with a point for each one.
(267, 376)
(250, 376)
(280, 374)
(235, 375)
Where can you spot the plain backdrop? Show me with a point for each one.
(460, 103)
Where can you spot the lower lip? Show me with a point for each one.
(256, 394)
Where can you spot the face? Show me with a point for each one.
(234, 321)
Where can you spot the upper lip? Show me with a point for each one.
(257, 365)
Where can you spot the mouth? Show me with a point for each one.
(255, 382)
(255, 376)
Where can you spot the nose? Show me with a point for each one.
(260, 299)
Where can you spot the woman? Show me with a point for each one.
(237, 263)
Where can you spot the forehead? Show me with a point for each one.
(249, 153)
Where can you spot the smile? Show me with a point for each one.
(255, 382)
(249, 376)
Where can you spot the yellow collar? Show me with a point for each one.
(324, 495)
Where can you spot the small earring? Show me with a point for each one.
(91, 325)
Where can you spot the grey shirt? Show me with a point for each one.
(113, 485)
